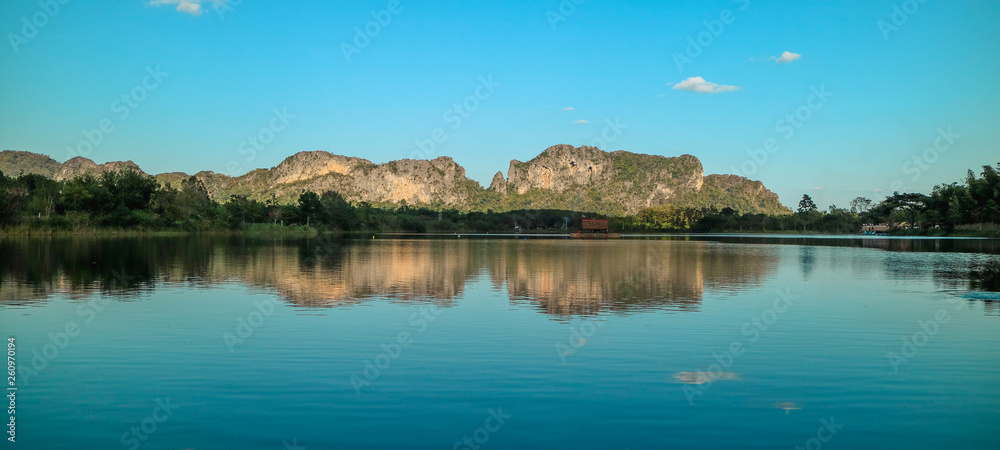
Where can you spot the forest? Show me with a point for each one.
(966, 208)
(129, 201)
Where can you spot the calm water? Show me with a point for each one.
(688, 342)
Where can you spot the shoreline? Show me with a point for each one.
(312, 232)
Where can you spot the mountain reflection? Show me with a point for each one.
(570, 277)
(560, 277)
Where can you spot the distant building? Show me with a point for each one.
(874, 228)
(595, 229)
(595, 225)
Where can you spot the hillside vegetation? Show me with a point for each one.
(562, 177)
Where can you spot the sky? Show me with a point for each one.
(834, 99)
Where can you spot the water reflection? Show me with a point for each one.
(559, 277)
(807, 259)
(587, 277)
(978, 277)
(704, 377)
(324, 273)
(788, 406)
(894, 244)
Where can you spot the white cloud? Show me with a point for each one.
(581, 121)
(189, 7)
(787, 57)
(568, 108)
(817, 188)
(699, 84)
(192, 7)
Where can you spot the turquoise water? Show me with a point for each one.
(708, 342)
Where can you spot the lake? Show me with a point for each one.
(724, 341)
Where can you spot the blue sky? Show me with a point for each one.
(546, 73)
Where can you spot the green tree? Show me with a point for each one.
(806, 204)
(129, 189)
(310, 207)
(337, 212)
(861, 205)
(192, 208)
(238, 208)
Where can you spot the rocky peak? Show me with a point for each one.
(307, 165)
(560, 167)
(499, 184)
(561, 177)
(79, 166)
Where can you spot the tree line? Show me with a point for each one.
(131, 200)
(970, 206)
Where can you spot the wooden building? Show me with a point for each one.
(595, 225)
(595, 228)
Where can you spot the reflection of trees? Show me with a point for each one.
(807, 259)
(980, 276)
(985, 276)
(32, 269)
(988, 246)
(315, 272)
(560, 276)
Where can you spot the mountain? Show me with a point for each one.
(561, 177)
(621, 182)
(79, 166)
(13, 163)
(440, 181)
(587, 178)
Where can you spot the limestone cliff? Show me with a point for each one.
(499, 184)
(561, 177)
(417, 182)
(587, 178)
